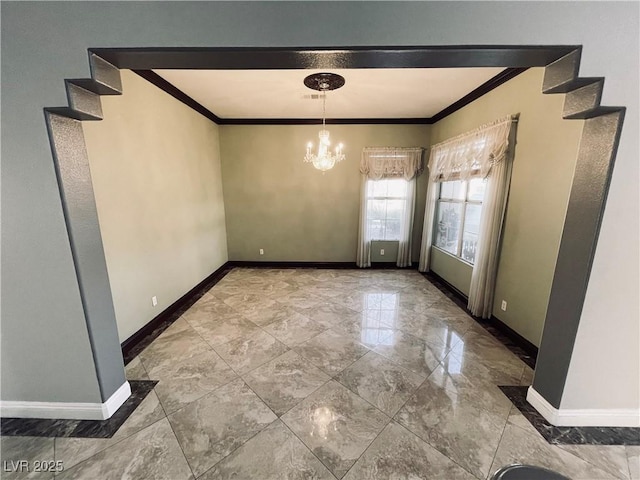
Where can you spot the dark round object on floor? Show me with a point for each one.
(526, 472)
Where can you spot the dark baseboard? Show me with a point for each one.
(137, 342)
(333, 265)
(515, 342)
(392, 266)
(270, 264)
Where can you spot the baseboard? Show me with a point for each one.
(137, 342)
(622, 417)
(461, 300)
(272, 264)
(149, 332)
(522, 342)
(331, 265)
(67, 410)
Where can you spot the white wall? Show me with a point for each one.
(44, 42)
(155, 167)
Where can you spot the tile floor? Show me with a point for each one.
(322, 374)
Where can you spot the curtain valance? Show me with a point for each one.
(471, 154)
(388, 162)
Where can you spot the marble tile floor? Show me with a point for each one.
(321, 374)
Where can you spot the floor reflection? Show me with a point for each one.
(322, 419)
(379, 318)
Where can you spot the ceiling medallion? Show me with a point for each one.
(324, 159)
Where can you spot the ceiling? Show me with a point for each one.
(368, 93)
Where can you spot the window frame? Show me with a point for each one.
(464, 202)
(385, 198)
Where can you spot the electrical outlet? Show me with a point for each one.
(262, 251)
(503, 307)
(154, 301)
(382, 251)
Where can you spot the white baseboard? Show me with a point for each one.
(564, 417)
(67, 410)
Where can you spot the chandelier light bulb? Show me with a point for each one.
(324, 159)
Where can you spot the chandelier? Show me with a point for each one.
(324, 159)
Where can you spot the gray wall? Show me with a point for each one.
(546, 153)
(155, 166)
(276, 202)
(42, 43)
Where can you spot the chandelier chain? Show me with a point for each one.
(324, 108)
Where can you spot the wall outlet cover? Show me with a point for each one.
(382, 251)
(503, 307)
(154, 301)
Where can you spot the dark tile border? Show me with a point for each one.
(570, 435)
(44, 427)
(518, 345)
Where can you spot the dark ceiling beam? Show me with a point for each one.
(327, 57)
(178, 94)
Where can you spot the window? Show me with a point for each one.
(385, 206)
(458, 217)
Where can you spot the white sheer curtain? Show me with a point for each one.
(379, 163)
(427, 229)
(363, 258)
(485, 268)
(494, 206)
(406, 226)
(485, 153)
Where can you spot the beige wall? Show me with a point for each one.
(155, 165)
(455, 272)
(545, 158)
(294, 212)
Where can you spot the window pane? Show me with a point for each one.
(397, 187)
(376, 229)
(448, 226)
(385, 207)
(394, 218)
(377, 188)
(452, 190)
(393, 187)
(394, 209)
(470, 235)
(377, 209)
(392, 230)
(476, 189)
